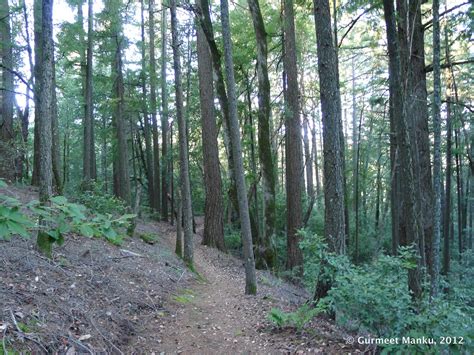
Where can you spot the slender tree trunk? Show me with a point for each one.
(447, 208)
(331, 118)
(436, 150)
(164, 119)
(265, 153)
(8, 153)
(294, 153)
(250, 276)
(38, 45)
(157, 205)
(45, 132)
(308, 159)
(89, 172)
(183, 144)
(147, 129)
(122, 188)
(214, 207)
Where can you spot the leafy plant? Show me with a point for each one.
(297, 319)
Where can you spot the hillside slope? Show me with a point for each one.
(138, 298)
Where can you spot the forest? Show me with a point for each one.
(236, 176)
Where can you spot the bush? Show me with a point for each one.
(375, 299)
(99, 201)
(61, 217)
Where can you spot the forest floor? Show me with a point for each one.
(139, 298)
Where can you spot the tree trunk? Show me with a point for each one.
(45, 132)
(214, 207)
(398, 109)
(447, 205)
(294, 153)
(334, 228)
(308, 159)
(250, 276)
(265, 153)
(183, 144)
(8, 152)
(89, 166)
(206, 24)
(436, 150)
(157, 205)
(147, 129)
(122, 188)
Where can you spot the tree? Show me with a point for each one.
(250, 276)
(165, 156)
(147, 129)
(334, 219)
(398, 110)
(436, 149)
(44, 241)
(293, 153)
(89, 165)
(265, 253)
(121, 167)
(7, 155)
(183, 144)
(214, 208)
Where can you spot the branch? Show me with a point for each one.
(352, 24)
(18, 75)
(429, 23)
(429, 67)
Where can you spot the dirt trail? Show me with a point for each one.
(215, 317)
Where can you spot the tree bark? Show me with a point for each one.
(122, 180)
(334, 228)
(146, 126)
(250, 276)
(157, 205)
(214, 207)
(183, 144)
(8, 153)
(411, 218)
(45, 168)
(294, 153)
(436, 150)
(265, 153)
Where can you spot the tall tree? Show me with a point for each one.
(334, 218)
(250, 276)
(183, 144)
(44, 241)
(147, 129)
(436, 149)
(214, 207)
(165, 156)
(89, 165)
(398, 110)
(293, 152)
(266, 253)
(121, 165)
(7, 97)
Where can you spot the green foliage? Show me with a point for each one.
(148, 238)
(58, 217)
(297, 319)
(374, 298)
(99, 201)
(233, 240)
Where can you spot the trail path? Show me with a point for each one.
(215, 317)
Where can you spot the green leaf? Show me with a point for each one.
(86, 230)
(59, 200)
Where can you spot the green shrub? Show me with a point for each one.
(99, 201)
(60, 217)
(375, 298)
(297, 319)
(233, 240)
